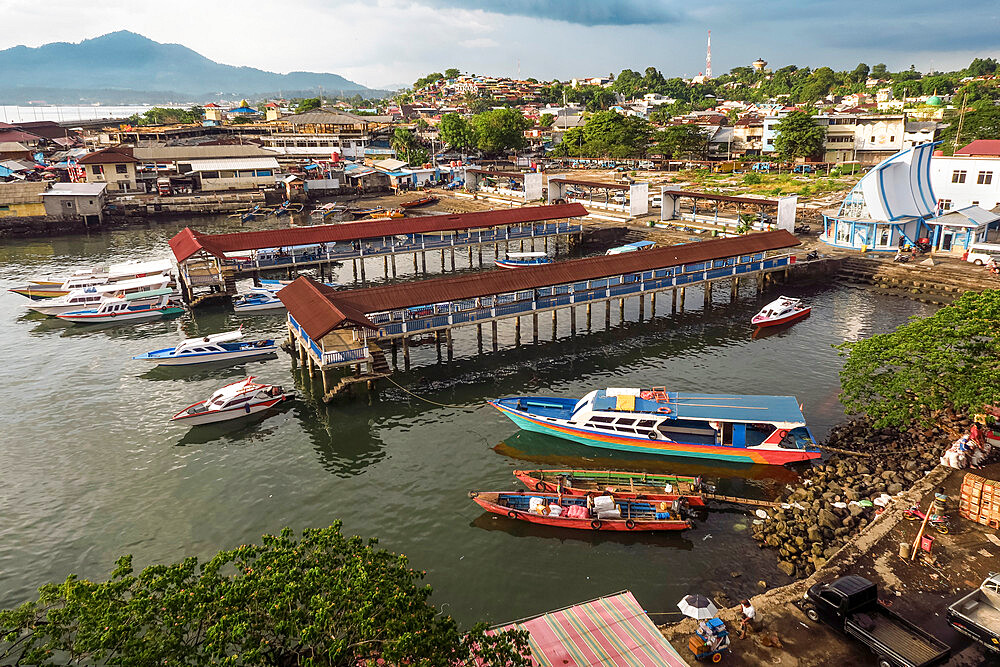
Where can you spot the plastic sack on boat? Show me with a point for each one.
(576, 512)
(555, 510)
(604, 503)
(534, 503)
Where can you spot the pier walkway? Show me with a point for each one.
(217, 260)
(331, 329)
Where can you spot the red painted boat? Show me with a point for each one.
(584, 513)
(627, 485)
(423, 201)
(781, 311)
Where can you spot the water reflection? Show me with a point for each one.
(674, 540)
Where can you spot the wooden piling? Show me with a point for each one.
(555, 324)
(451, 347)
(708, 294)
(589, 308)
(517, 331)
(392, 261)
(494, 323)
(534, 327)
(406, 353)
(572, 320)
(682, 299)
(479, 338)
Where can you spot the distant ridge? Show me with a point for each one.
(126, 63)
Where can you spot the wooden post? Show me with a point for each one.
(652, 305)
(453, 258)
(451, 349)
(437, 344)
(443, 266)
(479, 337)
(470, 257)
(392, 260)
(555, 324)
(423, 261)
(673, 300)
(642, 308)
(682, 299)
(385, 264)
(395, 366)
(480, 247)
(494, 323)
(406, 353)
(354, 267)
(416, 266)
(708, 294)
(517, 331)
(326, 381)
(621, 309)
(534, 327)
(607, 315)
(361, 263)
(572, 320)
(920, 533)
(589, 308)
(734, 288)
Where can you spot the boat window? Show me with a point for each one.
(624, 429)
(603, 420)
(648, 423)
(593, 425)
(625, 421)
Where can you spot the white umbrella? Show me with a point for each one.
(698, 607)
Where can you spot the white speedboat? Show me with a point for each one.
(214, 348)
(517, 260)
(50, 289)
(780, 311)
(91, 297)
(137, 307)
(256, 300)
(234, 401)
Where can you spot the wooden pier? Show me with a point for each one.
(333, 330)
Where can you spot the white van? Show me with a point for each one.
(980, 253)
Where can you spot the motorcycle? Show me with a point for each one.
(901, 258)
(812, 254)
(938, 521)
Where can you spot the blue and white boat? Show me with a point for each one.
(631, 247)
(724, 427)
(256, 300)
(517, 260)
(209, 349)
(135, 307)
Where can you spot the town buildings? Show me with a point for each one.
(970, 177)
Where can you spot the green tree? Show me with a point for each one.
(427, 80)
(629, 83)
(948, 361)
(308, 104)
(601, 99)
(403, 142)
(879, 71)
(546, 120)
(322, 599)
(421, 124)
(456, 132)
(680, 141)
(474, 103)
(451, 73)
(798, 136)
(500, 130)
(979, 124)
(860, 73)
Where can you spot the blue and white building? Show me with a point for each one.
(894, 205)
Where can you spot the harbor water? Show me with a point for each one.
(93, 469)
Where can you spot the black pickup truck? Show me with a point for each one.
(851, 605)
(978, 614)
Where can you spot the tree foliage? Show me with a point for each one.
(323, 599)
(950, 360)
(680, 141)
(500, 130)
(307, 104)
(979, 124)
(456, 132)
(607, 134)
(451, 73)
(168, 116)
(433, 77)
(798, 136)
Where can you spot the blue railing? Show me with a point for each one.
(328, 357)
(434, 316)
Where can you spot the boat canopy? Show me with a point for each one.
(135, 283)
(707, 407)
(163, 291)
(224, 337)
(137, 268)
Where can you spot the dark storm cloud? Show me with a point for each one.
(581, 12)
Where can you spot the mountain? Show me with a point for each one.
(126, 61)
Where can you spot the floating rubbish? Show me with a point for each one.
(758, 522)
(840, 505)
(702, 539)
(761, 514)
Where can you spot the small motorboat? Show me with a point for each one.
(518, 260)
(631, 247)
(423, 201)
(287, 207)
(256, 300)
(234, 401)
(657, 487)
(91, 297)
(135, 307)
(208, 349)
(780, 311)
(606, 512)
(51, 289)
(386, 214)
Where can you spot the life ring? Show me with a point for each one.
(512, 514)
(539, 486)
(630, 524)
(782, 433)
(665, 410)
(646, 395)
(652, 435)
(596, 524)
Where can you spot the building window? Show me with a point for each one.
(873, 139)
(958, 176)
(121, 168)
(892, 138)
(945, 204)
(984, 178)
(98, 169)
(69, 204)
(975, 202)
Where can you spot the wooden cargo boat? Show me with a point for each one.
(628, 485)
(582, 513)
(423, 201)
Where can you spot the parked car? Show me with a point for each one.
(656, 201)
(850, 604)
(978, 614)
(980, 253)
(803, 169)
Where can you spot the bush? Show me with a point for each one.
(751, 179)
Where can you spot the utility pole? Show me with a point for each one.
(961, 117)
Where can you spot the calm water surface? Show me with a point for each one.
(93, 469)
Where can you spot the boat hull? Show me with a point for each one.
(38, 293)
(656, 447)
(260, 307)
(52, 310)
(230, 414)
(202, 358)
(640, 492)
(797, 315)
(85, 317)
(623, 525)
(508, 264)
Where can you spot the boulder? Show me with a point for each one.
(894, 488)
(855, 510)
(828, 519)
(786, 567)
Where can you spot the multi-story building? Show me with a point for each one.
(970, 177)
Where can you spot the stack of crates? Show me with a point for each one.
(980, 501)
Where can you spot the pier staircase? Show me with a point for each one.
(939, 285)
(379, 369)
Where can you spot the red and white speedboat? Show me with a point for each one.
(234, 401)
(780, 311)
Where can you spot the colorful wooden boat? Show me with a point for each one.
(91, 297)
(724, 427)
(781, 311)
(423, 201)
(386, 214)
(628, 515)
(49, 289)
(135, 307)
(517, 260)
(628, 485)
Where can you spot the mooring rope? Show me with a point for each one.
(426, 400)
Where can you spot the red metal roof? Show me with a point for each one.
(983, 147)
(301, 297)
(314, 312)
(188, 241)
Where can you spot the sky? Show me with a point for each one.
(383, 42)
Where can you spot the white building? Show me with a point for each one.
(970, 177)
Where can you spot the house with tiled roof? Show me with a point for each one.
(114, 166)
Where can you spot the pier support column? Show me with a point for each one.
(522, 245)
(621, 310)
(395, 350)
(761, 279)
(546, 241)
(494, 323)
(555, 324)
(453, 258)
(443, 266)
(496, 249)
(517, 331)
(673, 300)
(451, 346)
(682, 299)
(470, 257)
(361, 263)
(589, 309)
(534, 327)
(480, 247)
(479, 338)
(423, 262)
(572, 320)
(392, 261)
(354, 268)
(652, 305)
(734, 288)
(642, 308)
(406, 353)
(416, 265)
(437, 344)
(607, 315)
(385, 265)
(708, 294)
(326, 381)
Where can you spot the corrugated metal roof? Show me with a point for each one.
(516, 175)
(726, 198)
(970, 216)
(301, 298)
(589, 184)
(22, 193)
(188, 241)
(75, 189)
(234, 163)
(174, 153)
